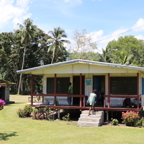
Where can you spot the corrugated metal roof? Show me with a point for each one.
(82, 61)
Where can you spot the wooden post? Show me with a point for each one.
(32, 88)
(108, 101)
(138, 90)
(108, 90)
(32, 84)
(137, 84)
(104, 101)
(107, 116)
(80, 89)
(54, 89)
(58, 114)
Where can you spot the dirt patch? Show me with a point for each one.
(19, 98)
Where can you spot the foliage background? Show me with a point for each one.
(24, 48)
(30, 46)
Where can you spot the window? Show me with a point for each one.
(61, 85)
(123, 85)
(50, 85)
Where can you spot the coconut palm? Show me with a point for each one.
(26, 33)
(123, 57)
(56, 42)
(105, 56)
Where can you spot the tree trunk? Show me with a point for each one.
(53, 56)
(52, 60)
(20, 79)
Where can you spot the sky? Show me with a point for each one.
(104, 20)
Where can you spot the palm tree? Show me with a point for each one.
(105, 56)
(123, 57)
(27, 33)
(56, 41)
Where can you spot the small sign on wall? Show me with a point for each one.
(88, 81)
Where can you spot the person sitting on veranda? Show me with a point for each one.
(99, 98)
(86, 100)
(127, 102)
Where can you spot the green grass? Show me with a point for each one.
(14, 130)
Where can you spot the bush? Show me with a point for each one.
(114, 122)
(2, 103)
(140, 122)
(21, 113)
(141, 113)
(33, 113)
(130, 118)
(66, 117)
(27, 110)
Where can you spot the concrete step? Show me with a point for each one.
(88, 124)
(83, 119)
(94, 120)
(92, 112)
(92, 116)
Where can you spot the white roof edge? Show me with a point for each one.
(81, 61)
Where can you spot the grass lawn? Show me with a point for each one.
(14, 130)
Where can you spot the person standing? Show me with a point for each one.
(92, 101)
(70, 91)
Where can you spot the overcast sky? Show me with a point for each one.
(105, 20)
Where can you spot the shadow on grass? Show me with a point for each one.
(20, 103)
(5, 136)
(15, 103)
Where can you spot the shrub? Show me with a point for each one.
(141, 113)
(130, 118)
(33, 113)
(140, 122)
(27, 110)
(66, 117)
(21, 113)
(114, 122)
(2, 103)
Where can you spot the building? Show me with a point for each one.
(4, 90)
(115, 81)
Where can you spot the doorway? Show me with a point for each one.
(99, 83)
(76, 88)
(2, 92)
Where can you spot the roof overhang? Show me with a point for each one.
(78, 61)
(4, 82)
